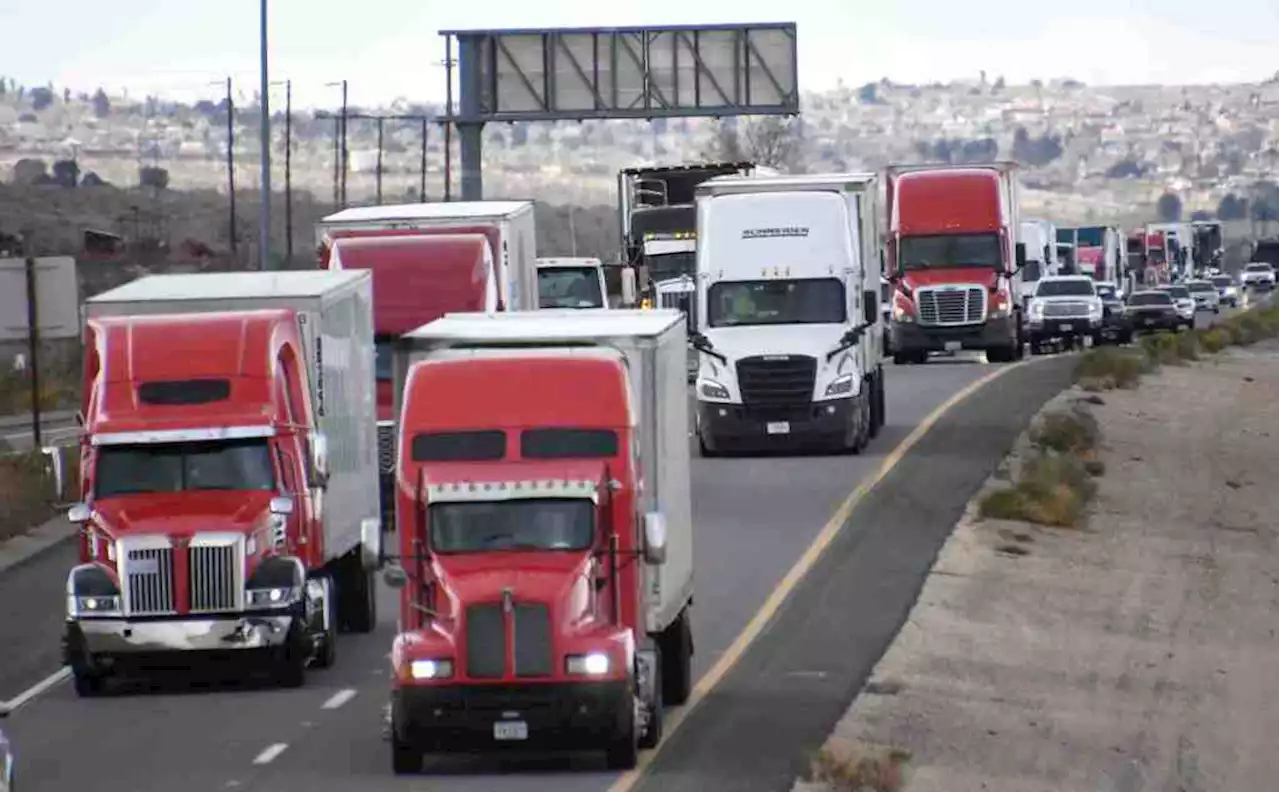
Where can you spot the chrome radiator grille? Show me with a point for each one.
(214, 573)
(951, 305)
(147, 573)
(1063, 309)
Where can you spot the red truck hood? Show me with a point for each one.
(943, 275)
(557, 578)
(183, 513)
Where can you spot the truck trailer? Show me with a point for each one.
(545, 533)
(229, 473)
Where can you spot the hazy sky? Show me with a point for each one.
(390, 48)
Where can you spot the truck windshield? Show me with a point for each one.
(1089, 237)
(1150, 298)
(1065, 288)
(666, 266)
(175, 467)
(1200, 286)
(565, 287)
(950, 250)
(1177, 292)
(536, 524)
(1031, 272)
(383, 356)
(775, 302)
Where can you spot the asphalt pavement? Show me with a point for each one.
(754, 518)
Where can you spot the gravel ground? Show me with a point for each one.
(1136, 652)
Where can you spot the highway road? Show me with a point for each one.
(755, 518)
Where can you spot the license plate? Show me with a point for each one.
(510, 730)
(144, 566)
(1066, 328)
(781, 427)
(953, 346)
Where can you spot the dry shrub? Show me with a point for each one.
(1105, 368)
(863, 768)
(1052, 490)
(1066, 432)
(26, 492)
(1213, 340)
(1161, 348)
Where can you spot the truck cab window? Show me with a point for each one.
(536, 524)
(230, 465)
(772, 302)
(569, 288)
(950, 250)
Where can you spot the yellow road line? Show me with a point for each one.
(797, 572)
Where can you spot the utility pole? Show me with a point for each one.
(343, 183)
(288, 171)
(231, 164)
(422, 173)
(264, 147)
(379, 166)
(448, 118)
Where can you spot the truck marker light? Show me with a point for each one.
(593, 664)
(431, 669)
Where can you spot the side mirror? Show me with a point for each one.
(655, 539)
(79, 418)
(1020, 255)
(79, 513)
(628, 282)
(319, 460)
(371, 554)
(281, 505)
(870, 306)
(395, 577)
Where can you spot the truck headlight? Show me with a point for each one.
(91, 592)
(592, 664)
(712, 390)
(840, 385)
(274, 597)
(1037, 310)
(431, 669)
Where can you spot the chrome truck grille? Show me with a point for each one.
(1065, 309)
(146, 570)
(776, 380)
(386, 446)
(943, 306)
(215, 575)
(486, 639)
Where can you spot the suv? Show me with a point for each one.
(1258, 275)
(1227, 291)
(1065, 307)
(1151, 310)
(1205, 294)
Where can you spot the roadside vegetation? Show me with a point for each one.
(863, 768)
(29, 492)
(1107, 368)
(1053, 479)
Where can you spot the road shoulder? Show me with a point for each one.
(795, 680)
(1138, 651)
(23, 547)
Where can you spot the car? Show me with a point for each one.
(1183, 302)
(1258, 275)
(7, 773)
(1228, 291)
(1065, 307)
(1115, 324)
(1205, 294)
(1152, 310)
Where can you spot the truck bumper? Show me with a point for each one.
(738, 427)
(474, 718)
(910, 338)
(144, 642)
(1056, 327)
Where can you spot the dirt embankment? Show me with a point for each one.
(1135, 651)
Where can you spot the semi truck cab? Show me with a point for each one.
(571, 283)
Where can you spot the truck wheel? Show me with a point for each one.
(877, 419)
(623, 750)
(88, 683)
(357, 595)
(675, 650)
(653, 729)
(708, 451)
(884, 404)
(290, 669)
(328, 654)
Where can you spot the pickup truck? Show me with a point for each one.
(1152, 310)
(1065, 307)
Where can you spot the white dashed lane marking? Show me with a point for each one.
(270, 753)
(338, 699)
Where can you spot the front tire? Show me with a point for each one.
(88, 683)
(406, 758)
(623, 749)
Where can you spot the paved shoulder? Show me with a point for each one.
(793, 684)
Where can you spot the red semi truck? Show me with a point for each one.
(417, 277)
(229, 474)
(545, 524)
(953, 255)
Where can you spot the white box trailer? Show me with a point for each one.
(335, 315)
(515, 249)
(653, 343)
